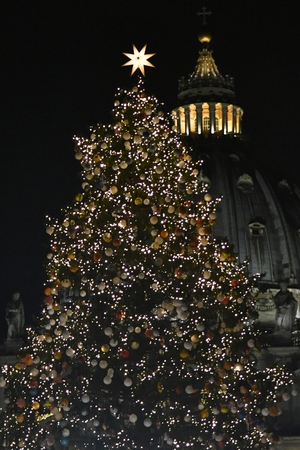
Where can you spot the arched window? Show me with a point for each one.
(205, 118)
(217, 124)
(206, 124)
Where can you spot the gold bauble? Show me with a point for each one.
(57, 355)
(207, 197)
(153, 220)
(243, 390)
(35, 405)
(114, 189)
(138, 201)
(224, 409)
(126, 136)
(107, 237)
(79, 197)
(73, 266)
(204, 413)
(104, 348)
(195, 338)
(184, 354)
(20, 418)
(123, 165)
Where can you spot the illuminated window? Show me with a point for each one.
(205, 118)
(206, 123)
(217, 125)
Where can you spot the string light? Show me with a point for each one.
(145, 339)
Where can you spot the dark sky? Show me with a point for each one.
(60, 67)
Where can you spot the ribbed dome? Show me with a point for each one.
(260, 212)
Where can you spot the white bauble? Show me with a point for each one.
(132, 418)
(147, 423)
(107, 380)
(128, 382)
(85, 398)
(103, 364)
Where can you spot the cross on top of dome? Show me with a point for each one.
(204, 13)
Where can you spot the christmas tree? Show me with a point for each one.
(145, 339)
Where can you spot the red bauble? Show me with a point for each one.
(234, 283)
(149, 333)
(194, 244)
(178, 232)
(125, 354)
(119, 314)
(48, 300)
(97, 257)
(225, 300)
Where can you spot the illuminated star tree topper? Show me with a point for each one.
(138, 59)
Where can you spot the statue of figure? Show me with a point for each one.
(286, 309)
(15, 317)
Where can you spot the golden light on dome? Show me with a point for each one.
(205, 37)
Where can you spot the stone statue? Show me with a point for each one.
(15, 317)
(286, 309)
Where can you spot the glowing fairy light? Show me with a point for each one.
(145, 337)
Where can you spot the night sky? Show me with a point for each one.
(60, 68)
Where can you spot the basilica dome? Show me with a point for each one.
(259, 212)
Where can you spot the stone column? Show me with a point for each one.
(212, 117)
(187, 120)
(224, 119)
(234, 118)
(199, 118)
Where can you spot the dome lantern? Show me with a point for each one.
(207, 99)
